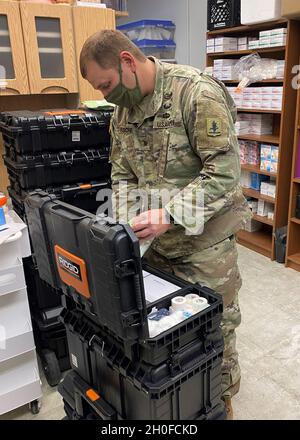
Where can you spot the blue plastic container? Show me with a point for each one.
(149, 30)
(159, 49)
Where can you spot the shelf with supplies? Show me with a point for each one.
(256, 110)
(263, 138)
(249, 192)
(264, 220)
(264, 81)
(283, 119)
(241, 53)
(257, 170)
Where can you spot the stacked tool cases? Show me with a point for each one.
(64, 152)
(118, 370)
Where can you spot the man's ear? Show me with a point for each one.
(128, 59)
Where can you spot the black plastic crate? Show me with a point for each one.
(97, 263)
(56, 130)
(129, 391)
(32, 172)
(83, 196)
(223, 14)
(40, 294)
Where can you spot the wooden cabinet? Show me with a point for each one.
(87, 21)
(49, 47)
(13, 72)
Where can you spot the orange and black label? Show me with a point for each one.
(72, 270)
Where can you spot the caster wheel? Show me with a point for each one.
(34, 407)
(51, 367)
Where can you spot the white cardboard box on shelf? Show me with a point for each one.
(256, 11)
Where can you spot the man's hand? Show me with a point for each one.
(151, 224)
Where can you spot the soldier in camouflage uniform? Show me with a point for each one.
(174, 128)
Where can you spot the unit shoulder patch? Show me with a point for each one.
(214, 127)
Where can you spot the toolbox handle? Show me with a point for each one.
(65, 112)
(179, 360)
(98, 404)
(67, 212)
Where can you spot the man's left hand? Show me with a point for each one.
(151, 224)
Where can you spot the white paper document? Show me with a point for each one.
(157, 288)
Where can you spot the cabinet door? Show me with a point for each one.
(48, 37)
(87, 21)
(13, 72)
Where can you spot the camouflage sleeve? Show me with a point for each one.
(123, 179)
(210, 127)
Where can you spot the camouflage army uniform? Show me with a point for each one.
(182, 136)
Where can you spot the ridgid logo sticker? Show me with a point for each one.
(71, 267)
(72, 271)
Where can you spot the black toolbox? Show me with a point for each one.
(32, 172)
(83, 196)
(40, 294)
(187, 387)
(51, 343)
(55, 130)
(97, 264)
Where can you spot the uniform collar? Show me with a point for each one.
(151, 103)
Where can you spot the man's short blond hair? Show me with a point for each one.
(104, 48)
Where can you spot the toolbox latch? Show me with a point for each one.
(125, 268)
(175, 365)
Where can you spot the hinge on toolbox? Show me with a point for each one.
(130, 319)
(125, 268)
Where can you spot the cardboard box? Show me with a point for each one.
(242, 47)
(252, 226)
(290, 9)
(225, 41)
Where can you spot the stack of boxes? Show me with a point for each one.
(269, 158)
(222, 44)
(265, 98)
(249, 153)
(224, 69)
(271, 38)
(256, 124)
